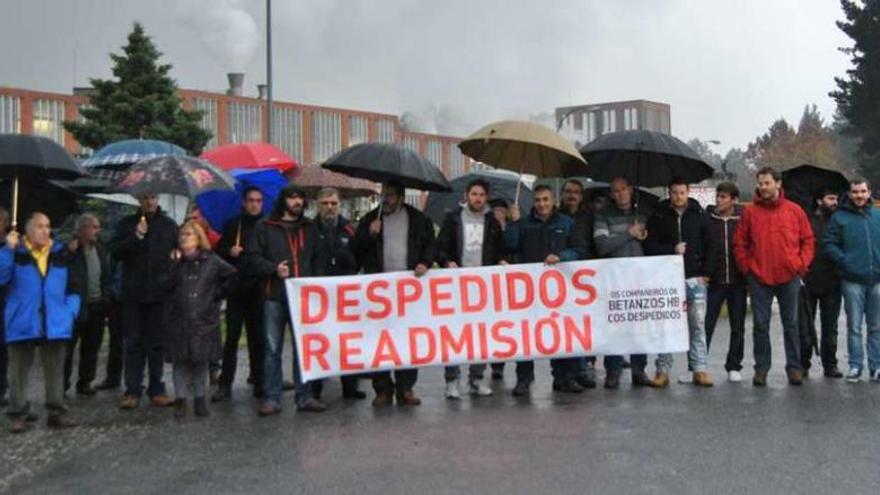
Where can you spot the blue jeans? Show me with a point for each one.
(762, 301)
(862, 302)
(696, 314)
(275, 320)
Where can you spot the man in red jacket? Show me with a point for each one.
(774, 248)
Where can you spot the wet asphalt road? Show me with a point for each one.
(823, 437)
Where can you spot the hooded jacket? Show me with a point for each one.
(774, 241)
(720, 260)
(38, 306)
(852, 241)
(449, 245)
(274, 241)
(532, 239)
(420, 248)
(666, 228)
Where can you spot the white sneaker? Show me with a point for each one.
(480, 389)
(686, 378)
(452, 392)
(734, 376)
(854, 375)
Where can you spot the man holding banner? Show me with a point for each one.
(469, 237)
(402, 239)
(545, 236)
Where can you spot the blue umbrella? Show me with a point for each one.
(130, 151)
(218, 207)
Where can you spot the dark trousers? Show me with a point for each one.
(350, 385)
(143, 325)
(735, 296)
(4, 360)
(115, 352)
(829, 311)
(89, 334)
(762, 299)
(403, 381)
(244, 310)
(637, 362)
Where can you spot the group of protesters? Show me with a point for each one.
(159, 287)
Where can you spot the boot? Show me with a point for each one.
(383, 399)
(200, 407)
(612, 379)
(641, 380)
(760, 379)
(161, 400)
(179, 409)
(60, 421)
(408, 398)
(17, 425)
(661, 380)
(795, 377)
(702, 379)
(222, 394)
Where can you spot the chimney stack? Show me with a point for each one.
(236, 84)
(261, 91)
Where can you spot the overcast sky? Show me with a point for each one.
(728, 68)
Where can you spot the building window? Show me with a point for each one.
(589, 125)
(457, 161)
(10, 114)
(209, 118)
(411, 143)
(326, 135)
(434, 153)
(357, 130)
(385, 130)
(413, 198)
(244, 122)
(609, 121)
(287, 133)
(48, 116)
(631, 119)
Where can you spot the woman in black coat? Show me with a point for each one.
(200, 281)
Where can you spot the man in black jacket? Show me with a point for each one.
(90, 267)
(823, 291)
(469, 237)
(143, 244)
(678, 226)
(335, 233)
(244, 307)
(282, 246)
(402, 239)
(726, 281)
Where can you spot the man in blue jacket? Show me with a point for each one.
(852, 241)
(40, 311)
(545, 236)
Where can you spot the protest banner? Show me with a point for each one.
(365, 323)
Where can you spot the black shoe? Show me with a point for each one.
(497, 374)
(641, 380)
(612, 379)
(31, 417)
(586, 380)
(107, 385)
(200, 406)
(833, 373)
(522, 389)
(60, 421)
(312, 405)
(85, 390)
(353, 394)
(567, 386)
(222, 394)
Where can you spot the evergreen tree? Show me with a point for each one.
(141, 102)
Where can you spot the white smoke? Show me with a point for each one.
(226, 28)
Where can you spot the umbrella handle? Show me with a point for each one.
(238, 234)
(15, 202)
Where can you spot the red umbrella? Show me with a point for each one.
(249, 155)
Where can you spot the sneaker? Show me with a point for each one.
(854, 375)
(734, 376)
(479, 388)
(686, 378)
(661, 380)
(521, 389)
(875, 376)
(452, 392)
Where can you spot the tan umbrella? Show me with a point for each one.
(313, 178)
(525, 148)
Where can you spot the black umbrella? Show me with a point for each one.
(501, 185)
(646, 158)
(56, 201)
(33, 159)
(177, 175)
(381, 162)
(804, 182)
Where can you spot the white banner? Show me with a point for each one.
(365, 323)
